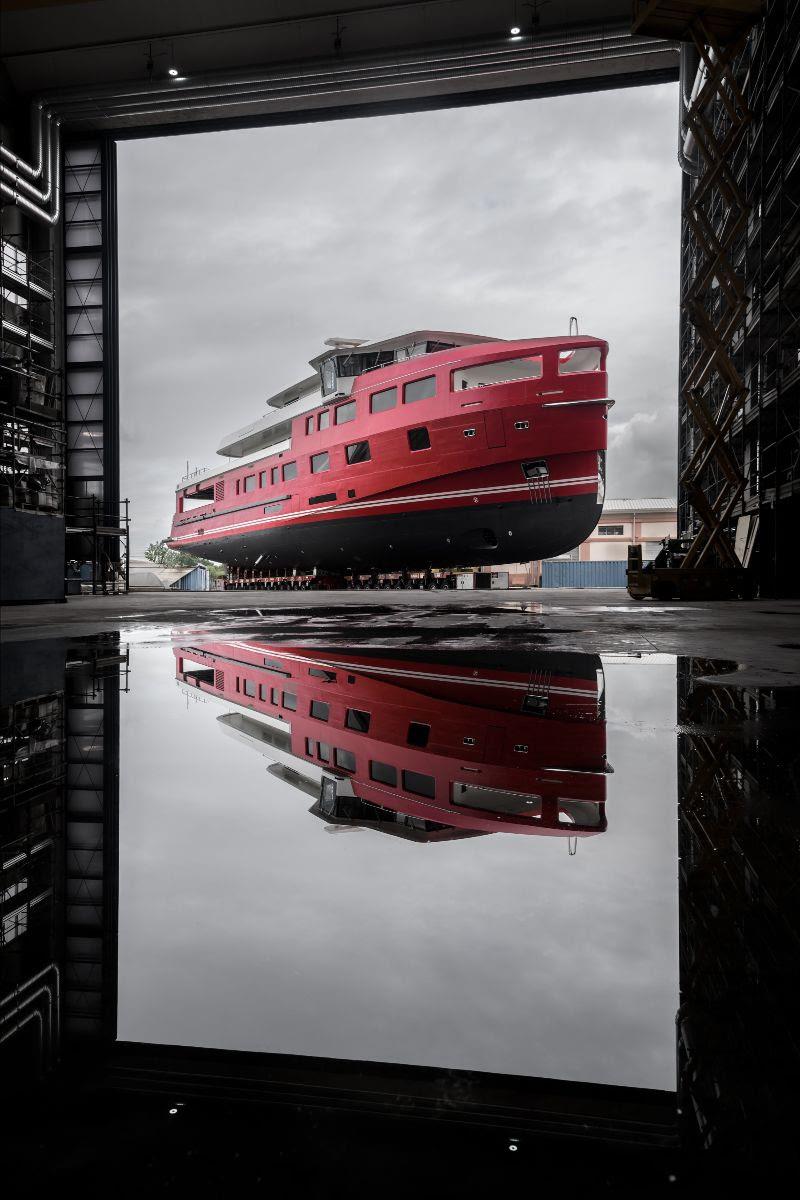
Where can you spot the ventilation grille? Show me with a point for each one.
(219, 680)
(219, 489)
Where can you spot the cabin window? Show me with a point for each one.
(321, 673)
(310, 746)
(383, 401)
(473, 795)
(358, 452)
(486, 374)
(238, 486)
(289, 700)
(419, 439)
(274, 507)
(320, 462)
(419, 785)
(346, 412)
(586, 358)
(262, 691)
(323, 498)
(358, 720)
(289, 471)
(345, 759)
(262, 479)
(309, 425)
(274, 695)
(419, 389)
(320, 710)
(324, 419)
(383, 773)
(276, 668)
(323, 752)
(418, 734)
(250, 483)
(249, 688)
(611, 530)
(276, 474)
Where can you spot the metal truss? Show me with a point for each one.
(714, 301)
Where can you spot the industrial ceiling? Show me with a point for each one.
(128, 64)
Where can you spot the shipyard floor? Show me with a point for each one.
(488, 887)
(762, 636)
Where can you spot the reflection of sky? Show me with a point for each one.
(245, 925)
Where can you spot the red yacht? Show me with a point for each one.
(427, 750)
(430, 449)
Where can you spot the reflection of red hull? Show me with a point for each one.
(474, 747)
(506, 472)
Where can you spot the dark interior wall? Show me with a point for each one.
(32, 562)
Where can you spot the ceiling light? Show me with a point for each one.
(515, 30)
(173, 71)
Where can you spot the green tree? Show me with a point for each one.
(160, 554)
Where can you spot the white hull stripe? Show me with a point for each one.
(401, 673)
(398, 500)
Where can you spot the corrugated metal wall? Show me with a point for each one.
(562, 573)
(196, 581)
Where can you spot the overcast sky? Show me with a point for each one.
(244, 925)
(241, 252)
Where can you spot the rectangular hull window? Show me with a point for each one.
(358, 720)
(419, 785)
(419, 389)
(487, 374)
(383, 773)
(419, 439)
(383, 401)
(573, 362)
(289, 471)
(468, 795)
(358, 452)
(345, 413)
(320, 462)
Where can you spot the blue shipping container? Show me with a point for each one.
(565, 573)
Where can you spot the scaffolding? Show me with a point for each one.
(32, 439)
(739, 421)
(101, 538)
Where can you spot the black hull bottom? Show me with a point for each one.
(481, 536)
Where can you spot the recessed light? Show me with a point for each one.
(515, 30)
(173, 71)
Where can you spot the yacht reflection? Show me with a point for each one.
(428, 750)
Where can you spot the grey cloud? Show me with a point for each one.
(241, 252)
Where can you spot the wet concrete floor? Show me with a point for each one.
(517, 868)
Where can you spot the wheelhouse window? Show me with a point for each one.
(324, 419)
(507, 371)
(419, 785)
(345, 413)
(345, 759)
(574, 362)
(289, 471)
(320, 462)
(419, 389)
(383, 773)
(358, 452)
(358, 720)
(383, 401)
(250, 483)
(320, 710)
(419, 439)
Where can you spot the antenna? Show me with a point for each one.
(573, 321)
